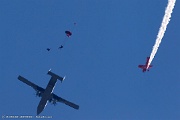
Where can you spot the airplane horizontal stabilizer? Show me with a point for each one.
(56, 76)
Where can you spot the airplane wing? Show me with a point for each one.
(36, 87)
(55, 97)
(150, 66)
(141, 66)
(59, 99)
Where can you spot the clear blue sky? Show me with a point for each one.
(100, 59)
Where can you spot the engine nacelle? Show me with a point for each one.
(38, 93)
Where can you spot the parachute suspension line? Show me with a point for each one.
(63, 43)
(69, 33)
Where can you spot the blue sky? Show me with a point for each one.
(111, 38)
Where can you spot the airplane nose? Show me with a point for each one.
(39, 109)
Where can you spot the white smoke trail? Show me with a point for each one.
(162, 29)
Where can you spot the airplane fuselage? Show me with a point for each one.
(145, 67)
(46, 95)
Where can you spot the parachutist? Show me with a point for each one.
(61, 47)
(68, 33)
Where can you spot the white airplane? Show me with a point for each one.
(47, 94)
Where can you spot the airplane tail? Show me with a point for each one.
(54, 75)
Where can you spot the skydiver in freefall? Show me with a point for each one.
(61, 47)
(48, 49)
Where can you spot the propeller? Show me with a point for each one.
(38, 94)
(50, 100)
(54, 103)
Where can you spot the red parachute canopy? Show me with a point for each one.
(68, 33)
